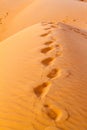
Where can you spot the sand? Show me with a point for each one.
(43, 67)
(30, 12)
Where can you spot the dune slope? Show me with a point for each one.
(8, 10)
(43, 79)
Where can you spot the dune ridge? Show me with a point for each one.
(24, 16)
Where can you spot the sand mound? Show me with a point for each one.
(43, 78)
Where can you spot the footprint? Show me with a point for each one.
(58, 54)
(83, 0)
(66, 73)
(57, 45)
(47, 61)
(53, 73)
(53, 26)
(76, 30)
(42, 90)
(56, 113)
(50, 22)
(50, 112)
(83, 34)
(48, 42)
(45, 34)
(58, 50)
(45, 50)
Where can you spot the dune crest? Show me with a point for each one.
(21, 14)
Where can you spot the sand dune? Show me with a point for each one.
(43, 65)
(71, 12)
(43, 79)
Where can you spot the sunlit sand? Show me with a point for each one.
(43, 65)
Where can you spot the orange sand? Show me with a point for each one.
(43, 65)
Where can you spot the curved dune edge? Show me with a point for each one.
(43, 78)
(23, 14)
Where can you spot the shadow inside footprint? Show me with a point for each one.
(51, 113)
(83, 0)
(45, 50)
(57, 45)
(48, 42)
(58, 54)
(45, 34)
(41, 90)
(53, 26)
(53, 73)
(47, 61)
(55, 113)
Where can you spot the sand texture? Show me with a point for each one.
(43, 65)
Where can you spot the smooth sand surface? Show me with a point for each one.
(43, 68)
(72, 12)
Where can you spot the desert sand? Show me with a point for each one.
(43, 65)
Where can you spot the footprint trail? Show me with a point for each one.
(55, 113)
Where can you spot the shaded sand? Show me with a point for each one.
(9, 10)
(42, 91)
